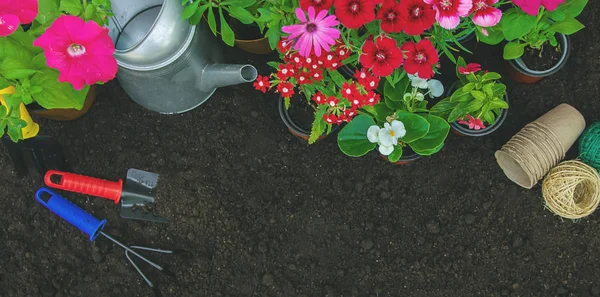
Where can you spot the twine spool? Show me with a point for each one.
(572, 189)
(589, 146)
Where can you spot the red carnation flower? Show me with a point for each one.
(349, 91)
(470, 68)
(389, 14)
(421, 57)
(417, 16)
(262, 83)
(381, 56)
(285, 71)
(317, 4)
(354, 13)
(319, 98)
(286, 89)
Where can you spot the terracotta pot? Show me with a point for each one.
(294, 128)
(68, 114)
(521, 73)
(257, 46)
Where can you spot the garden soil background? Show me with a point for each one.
(264, 214)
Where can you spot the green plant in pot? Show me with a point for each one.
(476, 104)
(398, 124)
(537, 36)
(54, 62)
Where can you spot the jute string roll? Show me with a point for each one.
(540, 145)
(572, 189)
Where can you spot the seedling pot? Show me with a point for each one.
(294, 128)
(521, 73)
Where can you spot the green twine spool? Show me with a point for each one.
(589, 146)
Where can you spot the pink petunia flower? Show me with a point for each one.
(448, 12)
(532, 7)
(473, 123)
(14, 13)
(314, 32)
(82, 52)
(486, 15)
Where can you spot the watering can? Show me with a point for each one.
(166, 64)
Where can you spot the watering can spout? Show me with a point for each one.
(222, 75)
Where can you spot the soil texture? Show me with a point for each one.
(262, 213)
(301, 113)
(542, 60)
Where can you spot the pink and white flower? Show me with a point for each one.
(82, 52)
(448, 12)
(486, 15)
(315, 32)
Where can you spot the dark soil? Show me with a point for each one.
(544, 60)
(301, 113)
(265, 214)
(245, 32)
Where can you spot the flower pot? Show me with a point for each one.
(519, 71)
(298, 129)
(408, 156)
(256, 46)
(461, 130)
(67, 114)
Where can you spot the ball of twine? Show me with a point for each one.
(572, 189)
(589, 145)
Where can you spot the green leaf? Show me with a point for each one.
(572, 8)
(3, 122)
(4, 84)
(396, 93)
(337, 78)
(460, 96)
(416, 126)
(513, 50)
(226, 33)
(490, 76)
(438, 131)
(458, 112)
(382, 111)
(499, 90)
(241, 14)
(190, 10)
(499, 103)
(478, 95)
(90, 12)
(287, 102)
(443, 108)
(14, 133)
(468, 87)
(394, 105)
(318, 125)
(353, 140)
(17, 123)
(489, 91)
(429, 152)
(489, 117)
(516, 23)
(47, 11)
(197, 17)
(557, 15)
(273, 35)
(212, 22)
(474, 106)
(494, 35)
(55, 94)
(72, 7)
(396, 154)
(568, 26)
(15, 69)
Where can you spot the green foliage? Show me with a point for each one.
(352, 140)
(319, 126)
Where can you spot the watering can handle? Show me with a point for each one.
(84, 185)
(70, 212)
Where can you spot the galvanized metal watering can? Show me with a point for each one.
(165, 64)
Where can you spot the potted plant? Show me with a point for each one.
(536, 34)
(237, 22)
(476, 104)
(53, 63)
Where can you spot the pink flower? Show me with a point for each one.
(532, 7)
(448, 12)
(313, 33)
(82, 52)
(16, 12)
(485, 15)
(473, 123)
(470, 68)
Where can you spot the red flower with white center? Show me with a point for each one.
(317, 4)
(389, 14)
(286, 89)
(381, 56)
(417, 16)
(297, 60)
(448, 12)
(470, 68)
(486, 15)
(348, 114)
(285, 71)
(332, 101)
(354, 13)
(342, 52)
(349, 91)
(317, 75)
(319, 98)
(330, 118)
(371, 98)
(372, 83)
(421, 57)
(284, 45)
(262, 83)
(303, 78)
(361, 75)
(357, 101)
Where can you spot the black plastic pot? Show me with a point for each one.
(295, 129)
(408, 156)
(521, 73)
(461, 130)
